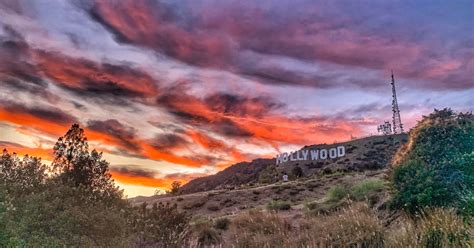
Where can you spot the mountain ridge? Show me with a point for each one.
(369, 153)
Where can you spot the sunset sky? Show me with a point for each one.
(173, 90)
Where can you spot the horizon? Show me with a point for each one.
(178, 90)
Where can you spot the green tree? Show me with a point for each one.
(75, 164)
(24, 175)
(78, 206)
(435, 167)
(175, 188)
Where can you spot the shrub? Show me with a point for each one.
(418, 185)
(175, 188)
(322, 208)
(208, 236)
(435, 167)
(337, 193)
(366, 189)
(213, 207)
(203, 232)
(222, 223)
(278, 205)
(297, 172)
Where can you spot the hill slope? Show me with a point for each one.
(371, 153)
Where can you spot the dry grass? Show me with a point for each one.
(259, 229)
(435, 228)
(355, 226)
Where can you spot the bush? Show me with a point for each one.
(222, 223)
(337, 193)
(278, 205)
(297, 172)
(175, 188)
(213, 207)
(435, 167)
(324, 208)
(203, 232)
(208, 236)
(366, 189)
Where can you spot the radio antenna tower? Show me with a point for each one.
(397, 121)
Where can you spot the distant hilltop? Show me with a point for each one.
(370, 153)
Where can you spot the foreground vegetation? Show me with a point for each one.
(74, 202)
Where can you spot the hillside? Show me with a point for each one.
(255, 184)
(371, 153)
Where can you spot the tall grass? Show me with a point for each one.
(364, 189)
(354, 226)
(435, 228)
(259, 229)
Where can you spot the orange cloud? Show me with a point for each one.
(252, 119)
(30, 121)
(212, 144)
(148, 179)
(86, 75)
(141, 180)
(27, 120)
(30, 151)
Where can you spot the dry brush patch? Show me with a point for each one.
(435, 227)
(356, 225)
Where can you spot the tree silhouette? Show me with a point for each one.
(175, 188)
(74, 163)
(22, 174)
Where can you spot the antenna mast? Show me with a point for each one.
(397, 121)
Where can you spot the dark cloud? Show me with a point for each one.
(218, 34)
(229, 128)
(187, 176)
(238, 105)
(15, 59)
(92, 78)
(215, 112)
(125, 135)
(172, 128)
(9, 144)
(281, 76)
(168, 141)
(51, 114)
(131, 170)
(100, 80)
(237, 116)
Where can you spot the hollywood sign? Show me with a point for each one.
(309, 155)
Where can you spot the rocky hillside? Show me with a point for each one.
(235, 175)
(228, 202)
(371, 153)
